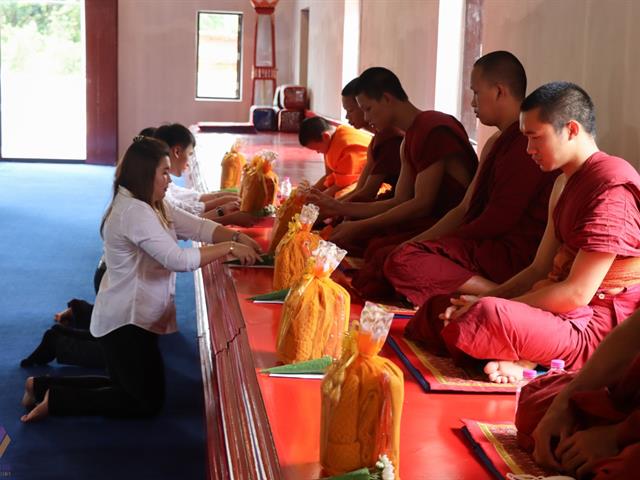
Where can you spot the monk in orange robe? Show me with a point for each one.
(588, 423)
(344, 149)
(585, 278)
(495, 231)
(437, 165)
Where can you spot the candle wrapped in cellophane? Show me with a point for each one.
(315, 314)
(232, 164)
(286, 211)
(294, 250)
(362, 395)
(259, 186)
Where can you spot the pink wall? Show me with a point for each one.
(157, 63)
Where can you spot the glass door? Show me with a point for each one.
(43, 107)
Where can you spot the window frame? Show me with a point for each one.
(240, 68)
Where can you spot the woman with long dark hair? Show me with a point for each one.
(135, 303)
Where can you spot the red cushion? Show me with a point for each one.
(289, 120)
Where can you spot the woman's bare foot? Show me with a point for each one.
(63, 316)
(29, 397)
(40, 412)
(504, 371)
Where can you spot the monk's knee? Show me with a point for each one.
(396, 262)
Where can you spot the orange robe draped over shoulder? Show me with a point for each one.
(346, 156)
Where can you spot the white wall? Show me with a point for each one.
(402, 35)
(324, 74)
(592, 43)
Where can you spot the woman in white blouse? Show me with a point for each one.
(135, 303)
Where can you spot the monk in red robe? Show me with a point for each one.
(383, 155)
(437, 165)
(344, 149)
(495, 231)
(588, 423)
(585, 278)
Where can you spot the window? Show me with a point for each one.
(219, 49)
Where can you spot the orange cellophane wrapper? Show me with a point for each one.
(292, 254)
(232, 164)
(315, 316)
(259, 186)
(286, 212)
(362, 395)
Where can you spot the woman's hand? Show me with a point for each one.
(245, 239)
(230, 207)
(245, 253)
(241, 219)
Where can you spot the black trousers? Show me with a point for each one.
(134, 388)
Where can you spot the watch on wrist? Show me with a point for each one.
(235, 236)
(220, 211)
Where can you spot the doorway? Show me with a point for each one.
(43, 108)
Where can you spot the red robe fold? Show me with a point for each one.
(385, 152)
(598, 211)
(431, 137)
(615, 404)
(499, 236)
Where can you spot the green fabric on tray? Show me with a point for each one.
(318, 365)
(267, 261)
(278, 295)
(362, 474)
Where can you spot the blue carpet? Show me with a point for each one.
(49, 248)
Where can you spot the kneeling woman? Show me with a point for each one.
(135, 303)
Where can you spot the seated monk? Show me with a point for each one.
(588, 424)
(344, 149)
(437, 165)
(585, 278)
(383, 154)
(495, 231)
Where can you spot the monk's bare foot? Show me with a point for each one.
(504, 371)
(40, 412)
(63, 316)
(29, 397)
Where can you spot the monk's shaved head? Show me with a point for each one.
(311, 130)
(503, 67)
(374, 82)
(351, 88)
(560, 102)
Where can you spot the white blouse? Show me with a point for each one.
(142, 256)
(185, 198)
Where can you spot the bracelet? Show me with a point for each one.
(231, 248)
(235, 236)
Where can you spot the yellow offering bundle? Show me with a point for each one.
(232, 164)
(259, 186)
(362, 395)
(295, 249)
(315, 314)
(286, 212)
